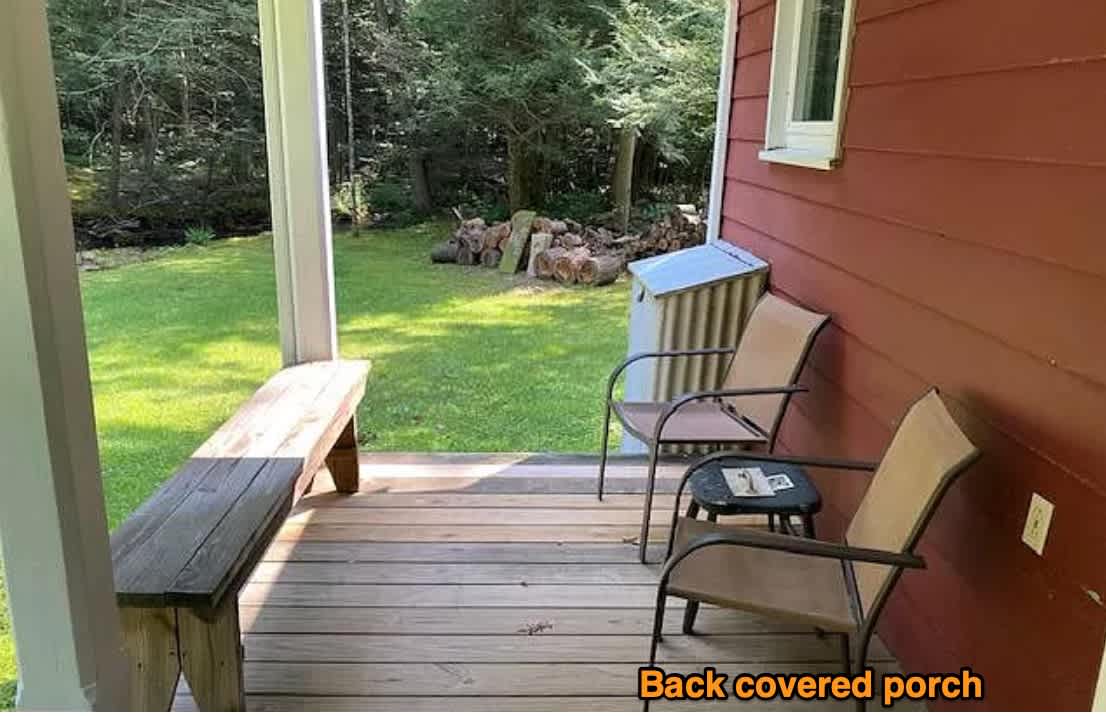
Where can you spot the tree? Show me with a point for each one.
(658, 77)
(514, 66)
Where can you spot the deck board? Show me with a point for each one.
(496, 582)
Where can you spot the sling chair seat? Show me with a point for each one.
(702, 422)
(797, 588)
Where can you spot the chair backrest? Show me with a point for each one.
(927, 453)
(772, 351)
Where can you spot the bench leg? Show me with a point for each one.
(211, 656)
(150, 642)
(342, 460)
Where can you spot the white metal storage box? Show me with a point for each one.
(695, 298)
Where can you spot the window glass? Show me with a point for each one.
(818, 59)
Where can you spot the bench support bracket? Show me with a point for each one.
(203, 644)
(343, 462)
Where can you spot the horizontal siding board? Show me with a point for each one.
(1038, 309)
(748, 7)
(747, 120)
(755, 31)
(1005, 209)
(1056, 412)
(1026, 33)
(752, 75)
(867, 10)
(1046, 113)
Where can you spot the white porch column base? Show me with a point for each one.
(52, 522)
(295, 120)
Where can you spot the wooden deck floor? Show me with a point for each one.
(476, 582)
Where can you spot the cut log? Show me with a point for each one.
(539, 244)
(566, 267)
(466, 257)
(558, 227)
(475, 242)
(491, 258)
(445, 253)
(542, 225)
(571, 241)
(599, 270)
(521, 227)
(496, 237)
(546, 261)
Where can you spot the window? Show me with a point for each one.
(806, 97)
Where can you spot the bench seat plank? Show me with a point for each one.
(147, 572)
(201, 533)
(231, 545)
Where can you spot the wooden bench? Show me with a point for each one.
(182, 557)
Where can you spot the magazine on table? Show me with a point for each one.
(752, 482)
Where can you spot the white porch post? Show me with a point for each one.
(52, 522)
(722, 123)
(295, 118)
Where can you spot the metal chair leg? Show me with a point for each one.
(658, 626)
(603, 452)
(650, 485)
(808, 527)
(691, 611)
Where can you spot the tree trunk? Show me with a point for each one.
(115, 177)
(646, 164)
(149, 146)
(383, 14)
(420, 180)
(622, 185)
(351, 148)
(185, 97)
(524, 180)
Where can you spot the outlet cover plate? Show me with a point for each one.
(1037, 523)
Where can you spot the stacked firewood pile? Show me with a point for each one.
(564, 250)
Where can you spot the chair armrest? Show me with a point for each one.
(674, 406)
(796, 545)
(621, 368)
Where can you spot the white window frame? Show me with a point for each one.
(816, 145)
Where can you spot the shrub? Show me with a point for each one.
(341, 201)
(199, 235)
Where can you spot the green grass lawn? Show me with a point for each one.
(464, 359)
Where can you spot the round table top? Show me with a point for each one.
(709, 490)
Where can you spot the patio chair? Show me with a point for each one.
(836, 588)
(745, 411)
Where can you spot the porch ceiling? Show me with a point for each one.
(480, 582)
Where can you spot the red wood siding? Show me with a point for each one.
(961, 243)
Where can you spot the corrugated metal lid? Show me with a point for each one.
(695, 267)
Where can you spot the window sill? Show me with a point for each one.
(798, 158)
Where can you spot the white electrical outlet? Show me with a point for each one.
(1037, 523)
